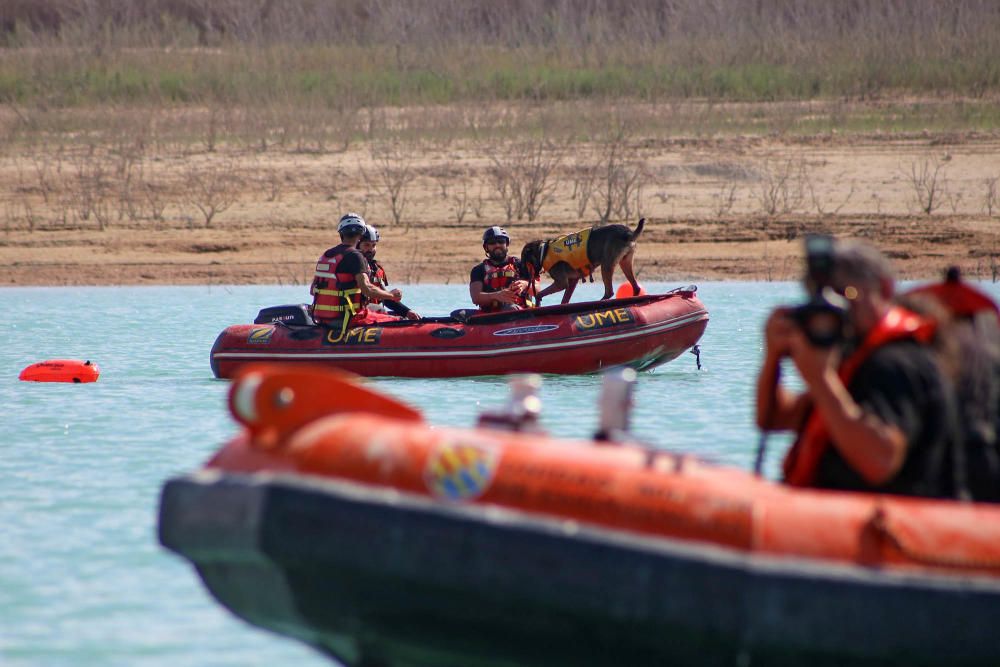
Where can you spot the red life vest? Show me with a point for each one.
(377, 275)
(802, 461)
(497, 278)
(336, 296)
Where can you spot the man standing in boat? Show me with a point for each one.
(341, 285)
(878, 413)
(376, 274)
(499, 282)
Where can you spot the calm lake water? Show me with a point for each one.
(83, 580)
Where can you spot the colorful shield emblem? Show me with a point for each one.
(460, 471)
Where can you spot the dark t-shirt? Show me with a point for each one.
(479, 274)
(902, 385)
(353, 262)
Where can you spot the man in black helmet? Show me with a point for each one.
(341, 287)
(499, 282)
(368, 247)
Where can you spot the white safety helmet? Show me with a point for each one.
(370, 234)
(351, 224)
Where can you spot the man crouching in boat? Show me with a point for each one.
(341, 287)
(500, 282)
(878, 413)
(376, 274)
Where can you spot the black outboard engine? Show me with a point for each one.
(293, 314)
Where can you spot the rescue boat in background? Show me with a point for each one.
(341, 519)
(641, 332)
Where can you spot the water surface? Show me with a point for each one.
(83, 580)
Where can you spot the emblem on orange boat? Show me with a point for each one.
(605, 318)
(460, 471)
(260, 335)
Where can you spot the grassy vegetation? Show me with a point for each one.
(396, 52)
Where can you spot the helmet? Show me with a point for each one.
(494, 233)
(370, 234)
(351, 224)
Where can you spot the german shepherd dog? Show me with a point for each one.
(607, 247)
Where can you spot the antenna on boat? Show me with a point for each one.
(523, 407)
(616, 404)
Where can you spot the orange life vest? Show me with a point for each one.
(336, 295)
(497, 278)
(802, 461)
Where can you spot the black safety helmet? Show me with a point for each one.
(370, 234)
(494, 233)
(351, 224)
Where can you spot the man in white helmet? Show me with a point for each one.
(368, 247)
(340, 286)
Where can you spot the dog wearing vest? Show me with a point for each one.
(572, 257)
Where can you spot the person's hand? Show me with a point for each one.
(396, 295)
(778, 333)
(410, 315)
(505, 296)
(518, 286)
(811, 360)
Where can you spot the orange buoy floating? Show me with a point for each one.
(625, 291)
(61, 370)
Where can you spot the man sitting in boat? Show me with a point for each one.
(341, 287)
(499, 282)
(376, 274)
(878, 414)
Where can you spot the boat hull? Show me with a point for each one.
(375, 576)
(642, 332)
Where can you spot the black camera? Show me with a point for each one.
(823, 319)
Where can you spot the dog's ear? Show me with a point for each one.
(529, 252)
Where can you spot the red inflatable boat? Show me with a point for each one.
(641, 332)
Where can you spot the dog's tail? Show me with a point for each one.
(638, 229)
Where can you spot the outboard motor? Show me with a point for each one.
(293, 314)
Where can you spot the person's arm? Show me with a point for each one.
(485, 299)
(873, 447)
(777, 407)
(401, 309)
(373, 292)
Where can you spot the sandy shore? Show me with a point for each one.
(706, 202)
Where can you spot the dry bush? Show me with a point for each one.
(725, 199)
(611, 184)
(781, 185)
(991, 200)
(928, 179)
(820, 206)
(212, 189)
(522, 173)
(391, 176)
(90, 189)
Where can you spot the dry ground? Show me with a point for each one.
(706, 200)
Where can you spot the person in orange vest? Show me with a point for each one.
(499, 282)
(368, 247)
(341, 287)
(878, 413)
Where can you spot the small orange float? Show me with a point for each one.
(625, 291)
(61, 370)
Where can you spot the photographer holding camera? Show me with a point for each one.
(878, 413)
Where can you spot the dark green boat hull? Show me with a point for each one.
(373, 577)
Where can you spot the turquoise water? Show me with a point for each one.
(83, 580)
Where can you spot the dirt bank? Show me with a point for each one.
(718, 209)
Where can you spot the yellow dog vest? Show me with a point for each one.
(572, 249)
